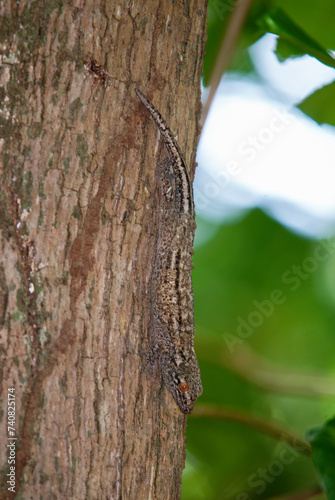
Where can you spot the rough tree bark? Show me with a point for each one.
(78, 233)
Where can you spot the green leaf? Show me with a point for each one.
(319, 105)
(276, 21)
(322, 439)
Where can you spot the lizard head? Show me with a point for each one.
(184, 382)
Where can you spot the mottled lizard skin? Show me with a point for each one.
(171, 286)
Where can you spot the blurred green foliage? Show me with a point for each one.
(243, 264)
(320, 105)
(296, 41)
(323, 442)
(264, 309)
(302, 28)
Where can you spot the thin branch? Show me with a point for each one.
(226, 49)
(272, 429)
(305, 495)
(257, 371)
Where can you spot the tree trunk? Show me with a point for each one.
(78, 234)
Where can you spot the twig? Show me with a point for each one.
(265, 426)
(305, 495)
(255, 370)
(226, 49)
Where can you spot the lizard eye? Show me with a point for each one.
(183, 387)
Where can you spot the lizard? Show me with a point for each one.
(171, 283)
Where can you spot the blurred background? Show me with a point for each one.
(265, 255)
